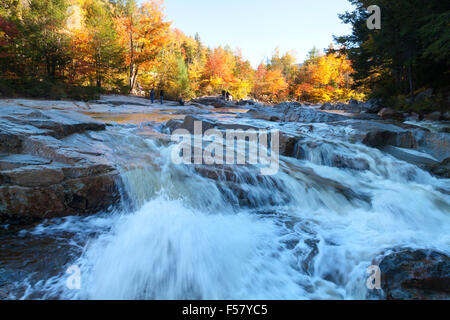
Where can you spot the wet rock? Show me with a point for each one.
(327, 106)
(242, 185)
(33, 176)
(379, 139)
(26, 204)
(172, 125)
(415, 275)
(286, 142)
(413, 117)
(293, 112)
(188, 124)
(19, 160)
(288, 145)
(55, 123)
(82, 196)
(93, 193)
(372, 106)
(434, 116)
(442, 169)
(390, 114)
(51, 166)
(9, 142)
(217, 102)
(446, 116)
(422, 160)
(436, 144)
(378, 134)
(428, 93)
(313, 180)
(247, 102)
(121, 100)
(358, 164)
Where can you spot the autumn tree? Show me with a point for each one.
(103, 51)
(270, 86)
(244, 77)
(45, 41)
(144, 33)
(8, 36)
(218, 74)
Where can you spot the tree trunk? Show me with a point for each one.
(99, 81)
(410, 80)
(134, 78)
(131, 84)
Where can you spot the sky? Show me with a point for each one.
(258, 27)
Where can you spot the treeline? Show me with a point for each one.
(78, 48)
(407, 61)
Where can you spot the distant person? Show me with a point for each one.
(161, 96)
(227, 95)
(152, 95)
(224, 95)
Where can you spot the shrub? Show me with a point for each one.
(84, 93)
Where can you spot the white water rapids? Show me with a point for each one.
(180, 235)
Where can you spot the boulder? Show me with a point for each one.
(82, 196)
(436, 144)
(327, 106)
(172, 125)
(442, 169)
(189, 124)
(288, 144)
(343, 162)
(390, 114)
(415, 275)
(413, 117)
(51, 166)
(215, 101)
(293, 112)
(422, 160)
(428, 93)
(247, 102)
(381, 138)
(372, 106)
(434, 116)
(10, 142)
(446, 116)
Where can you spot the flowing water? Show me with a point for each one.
(309, 232)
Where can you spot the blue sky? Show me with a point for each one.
(257, 27)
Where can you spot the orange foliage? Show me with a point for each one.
(270, 84)
(144, 33)
(325, 79)
(218, 73)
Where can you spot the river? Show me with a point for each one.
(308, 232)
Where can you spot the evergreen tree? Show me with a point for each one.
(409, 52)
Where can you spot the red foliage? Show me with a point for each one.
(8, 32)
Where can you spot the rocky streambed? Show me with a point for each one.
(93, 185)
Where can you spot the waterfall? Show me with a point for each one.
(308, 232)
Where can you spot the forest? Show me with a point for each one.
(407, 61)
(80, 48)
(77, 48)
